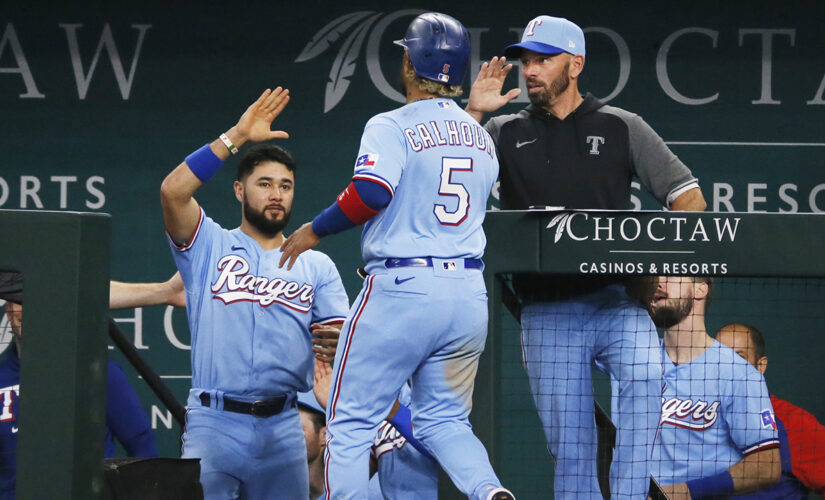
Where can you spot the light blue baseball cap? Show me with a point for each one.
(310, 402)
(549, 35)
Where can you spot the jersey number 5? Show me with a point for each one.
(450, 188)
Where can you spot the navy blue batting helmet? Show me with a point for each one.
(439, 47)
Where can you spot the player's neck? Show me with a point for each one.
(267, 242)
(687, 340)
(566, 103)
(416, 94)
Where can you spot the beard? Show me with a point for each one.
(671, 313)
(557, 87)
(259, 220)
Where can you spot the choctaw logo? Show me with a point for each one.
(240, 286)
(358, 24)
(670, 228)
(698, 416)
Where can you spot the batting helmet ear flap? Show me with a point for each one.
(439, 48)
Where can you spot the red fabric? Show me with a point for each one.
(806, 439)
(354, 207)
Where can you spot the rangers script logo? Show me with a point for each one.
(698, 416)
(387, 440)
(239, 286)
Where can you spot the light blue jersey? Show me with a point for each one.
(451, 164)
(422, 316)
(715, 410)
(249, 319)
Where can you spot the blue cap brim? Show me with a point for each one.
(542, 48)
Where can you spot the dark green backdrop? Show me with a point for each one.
(99, 101)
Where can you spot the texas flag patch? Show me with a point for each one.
(366, 161)
(767, 420)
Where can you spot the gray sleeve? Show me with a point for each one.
(661, 172)
(493, 127)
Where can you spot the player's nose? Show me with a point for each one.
(529, 67)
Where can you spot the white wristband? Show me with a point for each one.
(231, 147)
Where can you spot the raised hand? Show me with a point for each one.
(485, 94)
(256, 122)
(323, 379)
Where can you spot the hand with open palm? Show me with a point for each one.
(256, 122)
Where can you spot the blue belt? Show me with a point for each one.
(428, 262)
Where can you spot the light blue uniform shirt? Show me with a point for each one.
(439, 165)
(249, 319)
(715, 410)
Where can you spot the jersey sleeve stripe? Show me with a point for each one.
(188, 245)
(332, 320)
(336, 382)
(377, 179)
(349, 334)
(761, 445)
(679, 190)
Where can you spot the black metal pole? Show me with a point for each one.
(148, 374)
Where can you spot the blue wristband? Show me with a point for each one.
(331, 221)
(711, 486)
(204, 163)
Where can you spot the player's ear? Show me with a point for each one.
(323, 435)
(238, 186)
(700, 290)
(576, 66)
(762, 364)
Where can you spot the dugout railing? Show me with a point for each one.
(64, 259)
(740, 248)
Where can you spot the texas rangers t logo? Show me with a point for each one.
(8, 395)
(531, 27)
(594, 141)
(238, 286)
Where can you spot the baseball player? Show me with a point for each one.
(422, 178)
(718, 433)
(126, 420)
(313, 421)
(402, 467)
(252, 323)
(801, 436)
(571, 150)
